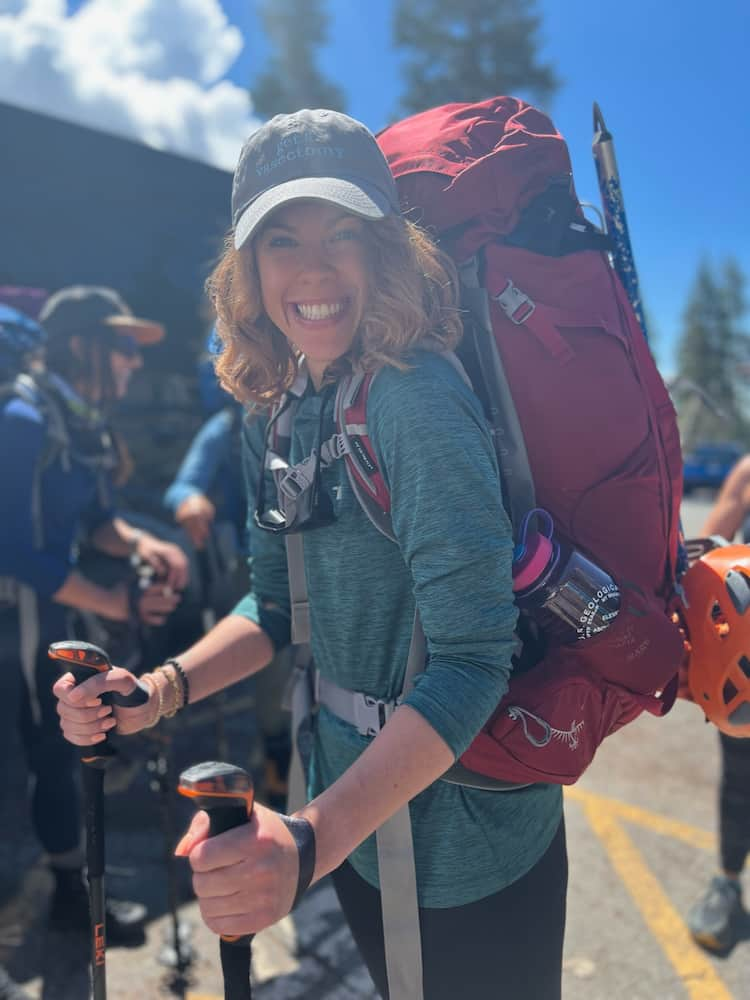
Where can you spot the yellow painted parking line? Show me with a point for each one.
(691, 965)
(663, 825)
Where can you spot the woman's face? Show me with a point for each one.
(122, 367)
(312, 265)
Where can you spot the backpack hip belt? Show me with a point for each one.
(366, 713)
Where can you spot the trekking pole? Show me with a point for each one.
(85, 660)
(613, 204)
(177, 952)
(208, 570)
(226, 793)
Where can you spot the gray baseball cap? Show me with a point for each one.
(310, 154)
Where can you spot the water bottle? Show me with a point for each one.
(569, 596)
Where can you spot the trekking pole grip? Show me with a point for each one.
(84, 660)
(226, 793)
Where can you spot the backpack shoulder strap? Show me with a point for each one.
(56, 441)
(367, 482)
(362, 468)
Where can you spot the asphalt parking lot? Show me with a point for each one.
(641, 837)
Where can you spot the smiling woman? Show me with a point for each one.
(324, 284)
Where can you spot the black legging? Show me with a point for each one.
(507, 945)
(734, 803)
(56, 808)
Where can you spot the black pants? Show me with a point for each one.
(507, 945)
(28, 702)
(734, 803)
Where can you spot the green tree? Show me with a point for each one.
(296, 30)
(713, 356)
(469, 51)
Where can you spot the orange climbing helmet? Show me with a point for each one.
(717, 620)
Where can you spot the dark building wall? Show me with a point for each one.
(79, 206)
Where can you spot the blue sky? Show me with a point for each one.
(670, 79)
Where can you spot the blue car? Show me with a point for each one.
(709, 464)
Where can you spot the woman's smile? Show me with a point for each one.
(312, 265)
(321, 312)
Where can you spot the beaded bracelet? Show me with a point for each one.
(149, 680)
(174, 683)
(180, 671)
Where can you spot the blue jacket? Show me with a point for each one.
(211, 466)
(71, 503)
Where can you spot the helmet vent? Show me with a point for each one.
(728, 692)
(738, 587)
(719, 620)
(741, 715)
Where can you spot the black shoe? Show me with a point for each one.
(9, 989)
(70, 910)
(714, 918)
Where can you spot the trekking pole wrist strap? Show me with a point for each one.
(304, 837)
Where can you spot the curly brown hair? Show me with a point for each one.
(413, 301)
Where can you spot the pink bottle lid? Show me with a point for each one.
(531, 566)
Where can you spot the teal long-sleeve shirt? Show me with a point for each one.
(453, 558)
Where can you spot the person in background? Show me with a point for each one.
(59, 459)
(323, 277)
(21, 348)
(207, 499)
(715, 917)
(207, 488)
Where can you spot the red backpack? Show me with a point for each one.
(568, 362)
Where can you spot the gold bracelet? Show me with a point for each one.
(151, 682)
(176, 688)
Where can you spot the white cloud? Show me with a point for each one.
(146, 69)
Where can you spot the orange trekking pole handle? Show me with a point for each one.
(226, 793)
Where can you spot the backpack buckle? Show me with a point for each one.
(516, 304)
(371, 714)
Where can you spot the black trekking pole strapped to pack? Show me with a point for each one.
(208, 572)
(225, 792)
(85, 660)
(177, 953)
(613, 205)
(623, 261)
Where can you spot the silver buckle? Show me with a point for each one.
(298, 478)
(371, 714)
(516, 304)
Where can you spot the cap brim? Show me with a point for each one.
(144, 331)
(358, 198)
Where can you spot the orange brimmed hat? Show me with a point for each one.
(92, 309)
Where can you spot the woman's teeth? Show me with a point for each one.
(319, 310)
